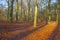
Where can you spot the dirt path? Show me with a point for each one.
(43, 33)
(57, 36)
(56, 33)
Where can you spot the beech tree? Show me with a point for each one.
(36, 12)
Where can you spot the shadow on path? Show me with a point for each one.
(23, 34)
(14, 27)
(55, 32)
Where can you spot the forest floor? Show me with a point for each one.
(43, 33)
(56, 33)
(26, 31)
(16, 31)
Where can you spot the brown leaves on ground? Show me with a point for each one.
(43, 33)
(12, 33)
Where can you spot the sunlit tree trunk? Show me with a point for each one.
(36, 12)
(17, 10)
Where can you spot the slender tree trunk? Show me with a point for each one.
(49, 14)
(56, 15)
(10, 9)
(11, 14)
(17, 10)
(57, 11)
(21, 12)
(36, 12)
(24, 15)
(8, 12)
(29, 10)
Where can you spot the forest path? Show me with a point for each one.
(43, 33)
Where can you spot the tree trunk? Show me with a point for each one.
(17, 10)
(49, 14)
(36, 12)
(29, 10)
(57, 11)
(10, 9)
